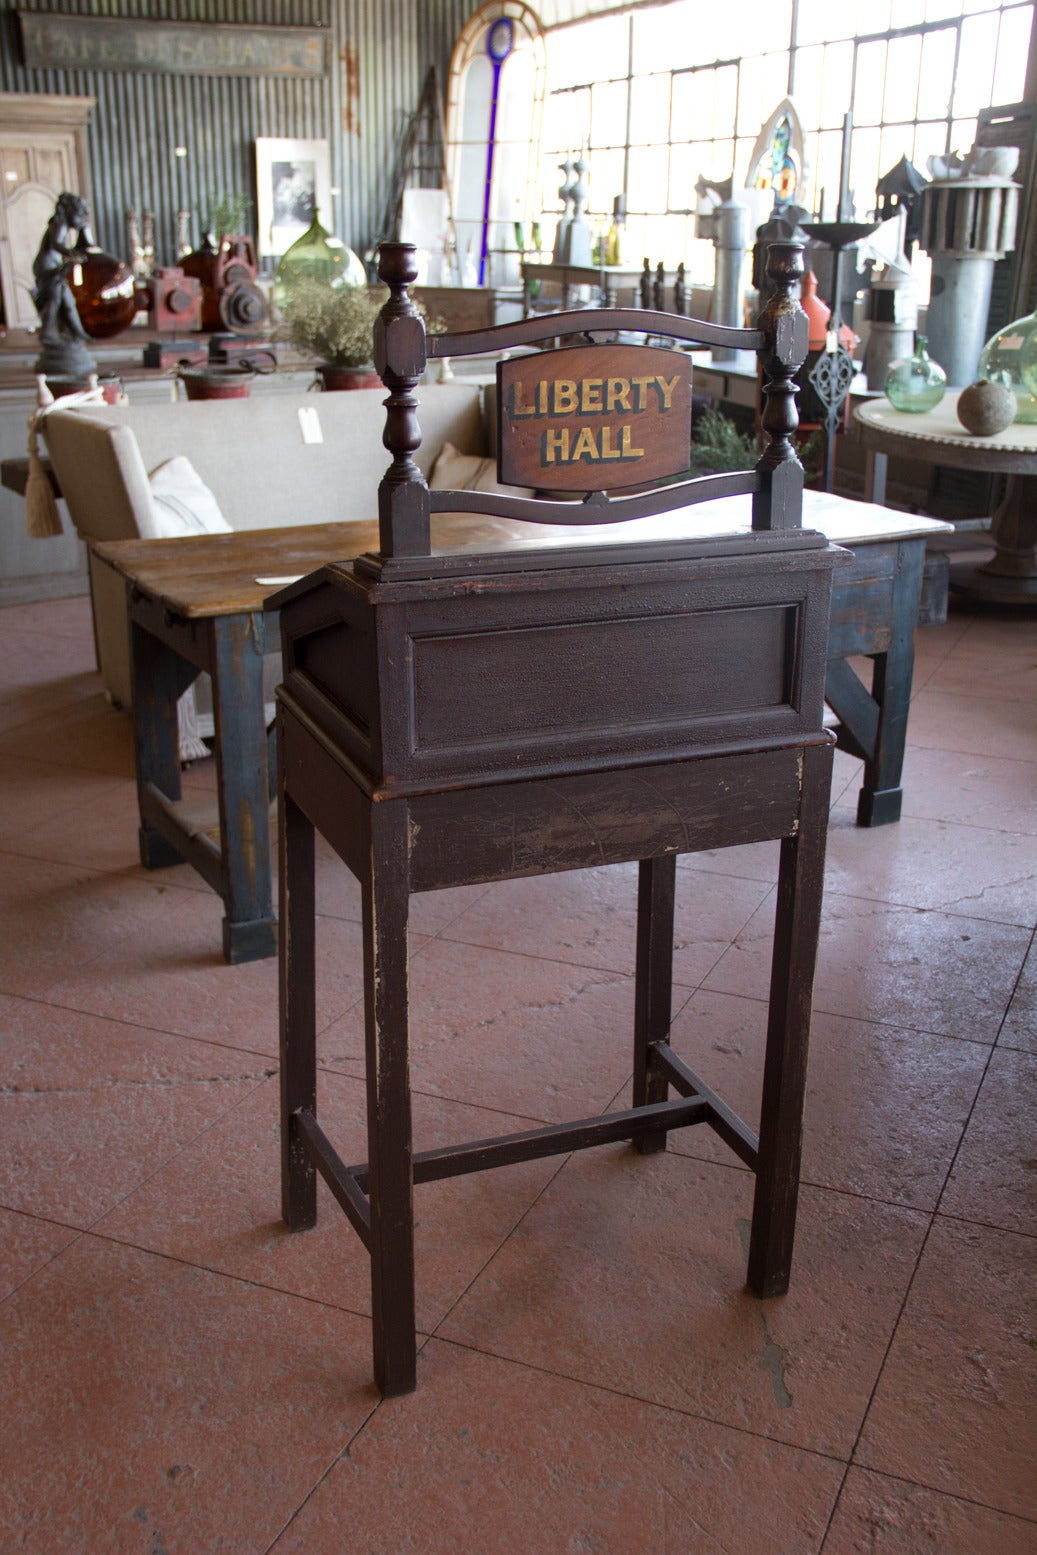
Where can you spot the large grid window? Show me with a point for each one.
(661, 96)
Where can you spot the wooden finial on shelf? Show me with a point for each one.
(779, 504)
(399, 355)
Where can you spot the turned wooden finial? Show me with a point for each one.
(779, 504)
(399, 354)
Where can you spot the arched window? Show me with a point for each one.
(776, 160)
(494, 111)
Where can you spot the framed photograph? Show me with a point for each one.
(293, 180)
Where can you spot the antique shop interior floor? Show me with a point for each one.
(182, 1375)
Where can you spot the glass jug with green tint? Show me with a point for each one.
(916, 383)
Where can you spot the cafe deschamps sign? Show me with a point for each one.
(57, 42)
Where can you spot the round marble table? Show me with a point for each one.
(938, 437)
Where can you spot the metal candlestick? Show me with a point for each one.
(833, 370)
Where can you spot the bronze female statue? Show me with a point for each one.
(65, 242)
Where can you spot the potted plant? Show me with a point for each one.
(335, 326)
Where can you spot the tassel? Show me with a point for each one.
(42, 518)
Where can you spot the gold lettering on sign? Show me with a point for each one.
(617, 395)
(518, 405)
(564, 397)
(555, 447)
(595, 445)
(592, 396)
(666, 387)
(595, 417)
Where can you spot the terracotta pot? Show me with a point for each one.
(349, 378)
(817, 311)
(217, 383)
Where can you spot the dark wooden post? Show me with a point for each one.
(778, 504)
(298, 1009)
(653, 985)
(386, 891)
(399, 355)
(793, 963)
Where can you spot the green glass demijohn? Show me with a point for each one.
(916, 383)
(1011, 358)
(318, 256)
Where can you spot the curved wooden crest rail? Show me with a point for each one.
(515, 707)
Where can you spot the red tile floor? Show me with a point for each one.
(181, 1375)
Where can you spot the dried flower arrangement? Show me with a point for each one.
(332, 324)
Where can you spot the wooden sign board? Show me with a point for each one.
(50, 41)
(592, 418)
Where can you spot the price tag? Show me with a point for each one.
(309, 421)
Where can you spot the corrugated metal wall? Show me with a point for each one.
(379, 52)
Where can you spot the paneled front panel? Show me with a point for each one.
(630, 674)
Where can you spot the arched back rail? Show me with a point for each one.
(589, 418)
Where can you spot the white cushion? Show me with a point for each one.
(455, 471)
(181, 503)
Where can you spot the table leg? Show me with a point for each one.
(386, 890)
(881, 797)
(797, 924)
(653, 987)
(874, 613)
(249, 926)
(157, 684)
(1010, 577)
(298, 1025)
(875, 466)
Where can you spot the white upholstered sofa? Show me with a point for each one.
(269, 460)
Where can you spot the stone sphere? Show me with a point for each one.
(986, 407)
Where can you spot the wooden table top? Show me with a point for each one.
(14, 475)
(225, 574)
(212, 575)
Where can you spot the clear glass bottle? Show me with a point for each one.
(1011, 358)
(917, 383)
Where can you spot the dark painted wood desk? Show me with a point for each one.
(197, 604)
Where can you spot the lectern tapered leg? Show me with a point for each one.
(656, 887)
(797, 925)
(391, 1180)
(298, 1013)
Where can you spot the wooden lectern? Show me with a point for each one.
(517, 706)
